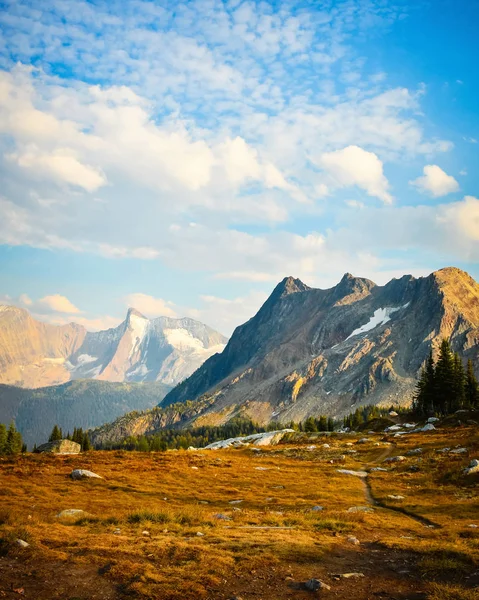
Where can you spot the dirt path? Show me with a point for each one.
(371, 499)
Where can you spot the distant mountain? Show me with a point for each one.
(82, 403)
(34, 354)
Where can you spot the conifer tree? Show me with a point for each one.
(445, 379)
(458, 397)
(424, 398)
(3, 438)
(471, 392)
(56, 434)
(14, 440)
(86, 444)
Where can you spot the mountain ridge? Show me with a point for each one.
(36, 354)
(316, 339)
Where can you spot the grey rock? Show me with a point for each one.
(361, 474)
(473, 467)
(366, 509)
(317, 508)
(458, 451)
(395, 459)
(313, 585)
(84, 474)
(353, 540)
(22, 543)
(222, 517)
(71, 512)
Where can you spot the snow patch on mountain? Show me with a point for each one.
(183, 340)
(84, 359)
(380, 317)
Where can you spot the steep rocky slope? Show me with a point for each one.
(80, 403)
(34, 354)
(312, 351)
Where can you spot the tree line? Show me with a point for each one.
(445, 386)
(11, 440)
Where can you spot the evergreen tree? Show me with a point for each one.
(310, 425)
(3, 438)
(424, 398)
(56, 434)
(458, 397)
(471, 391)
(14, 440)
(86, 444)
(445, 379)
(330, 424)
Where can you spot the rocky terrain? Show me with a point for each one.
(35, 354)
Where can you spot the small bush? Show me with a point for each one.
(147, 515)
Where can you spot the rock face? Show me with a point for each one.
(60, 447)
(312, 351)
(34, 354)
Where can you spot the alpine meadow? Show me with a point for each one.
(239, 300)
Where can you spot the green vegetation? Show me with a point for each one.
(444, 386)
(365, 414)
(10, 440)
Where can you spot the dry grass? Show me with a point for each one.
(271, 535)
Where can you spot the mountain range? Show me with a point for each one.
(311, 351)
(306, 352)
(35, 354)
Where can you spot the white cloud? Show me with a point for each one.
(57, 303)
(60, 166)
(151, 306)
(354, 166)
(435, 182)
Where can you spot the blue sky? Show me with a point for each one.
(183, 157)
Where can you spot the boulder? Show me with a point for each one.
(458, 451)
(60, 447)
(22, 543)
(71, 512)
(428, 427)
(395, 459)
(472, 468)
(353, 540)
(313, 585)
(84, 474)
(432, 420)
(366, 509)
(361, 474)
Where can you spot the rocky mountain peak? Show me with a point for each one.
(132, 312)
(289, 285)
(351, 288)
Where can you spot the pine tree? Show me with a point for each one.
(56, 434)
(330, 424)
(86, 444)
(424, 398)
(310, 425)
(445, 379)
(3, 438)
(14, 440)
(471, 392)
(458, 398)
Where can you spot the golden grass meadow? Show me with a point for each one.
(246, 523)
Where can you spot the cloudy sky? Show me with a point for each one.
(184, 156)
